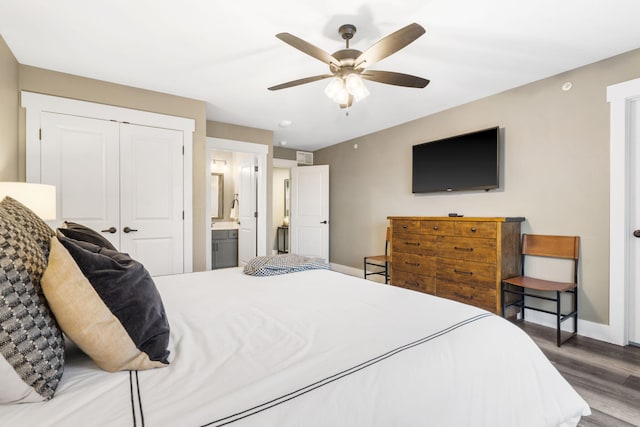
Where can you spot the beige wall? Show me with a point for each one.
(555, 171)
(284, 153)
(256, 136)
(65, 85)
(8, 114)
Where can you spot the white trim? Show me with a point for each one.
(284, 163)
(586, 328)
(36, 104)
(261, 151)
(619, 96)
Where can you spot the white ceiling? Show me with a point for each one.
(226, 52)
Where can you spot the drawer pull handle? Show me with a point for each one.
(467, 297)
(416, 264)
(473, 229)
(435, 227)
(457, 248)
(416, 284)
(412, 243)
(470, 273)
(404, 225)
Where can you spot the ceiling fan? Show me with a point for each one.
(348, 66)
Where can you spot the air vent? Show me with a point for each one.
(304, 158)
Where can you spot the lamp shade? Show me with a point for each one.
(40, 198)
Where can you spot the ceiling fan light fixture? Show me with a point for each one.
(337, 91)
(355, 86)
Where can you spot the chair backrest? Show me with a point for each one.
(564, 247)
(551, 246)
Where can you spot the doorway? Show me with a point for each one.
(254, 237)
(281, 206)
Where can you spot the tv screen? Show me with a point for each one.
(462, 162)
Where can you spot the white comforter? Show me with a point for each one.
(317, 348)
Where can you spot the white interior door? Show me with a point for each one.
(634, 220)
(247, 212)
(151, 215)
(80, 157)
(309, 222)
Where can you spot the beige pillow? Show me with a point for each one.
(84, 317)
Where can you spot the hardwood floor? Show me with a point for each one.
(605, 375)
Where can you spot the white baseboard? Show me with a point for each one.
(586, 328)
(353, 271)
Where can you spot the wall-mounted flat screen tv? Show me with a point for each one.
(462, 162)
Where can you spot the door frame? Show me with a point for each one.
(619, 97)
(260, 151)
(36, 103)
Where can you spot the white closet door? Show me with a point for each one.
(152, 197)
(80, 157)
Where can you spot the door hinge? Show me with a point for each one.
(182, 214)
(255, 214)
(183, 150)
(256, 168)
(40, 134)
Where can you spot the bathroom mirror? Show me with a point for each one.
(286, 197)
(217, 196)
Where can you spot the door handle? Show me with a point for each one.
(323, 222)
(128, 230)
(636, 233)
(109, 230)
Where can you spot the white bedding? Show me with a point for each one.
(317, 348)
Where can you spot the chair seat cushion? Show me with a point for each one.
(539, 284)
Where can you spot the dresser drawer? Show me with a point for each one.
(465, 248)
(469, 272)
(416, 282)
(413, 263)
(408, 226)
(413, 243)
(437, 228)
(476, 229)
(479, 296)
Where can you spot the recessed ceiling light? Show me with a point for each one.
(283, 142)
(285, 123)
(566, 86)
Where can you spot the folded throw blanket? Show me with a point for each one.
(281, 264)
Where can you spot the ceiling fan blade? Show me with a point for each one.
(308, 48)
(300, 81)
(393, 78)
(389, 45)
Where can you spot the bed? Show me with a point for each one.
(315, 348)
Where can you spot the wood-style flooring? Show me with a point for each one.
(607, 376)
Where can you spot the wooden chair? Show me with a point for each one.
(565, 247)
(379, 261)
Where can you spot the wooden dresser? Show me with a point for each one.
(459, 258)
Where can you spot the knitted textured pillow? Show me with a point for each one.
(31, 344)
(30, 222)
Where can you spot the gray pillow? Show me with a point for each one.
(128, 291)
(31, 344)
(83, 233)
